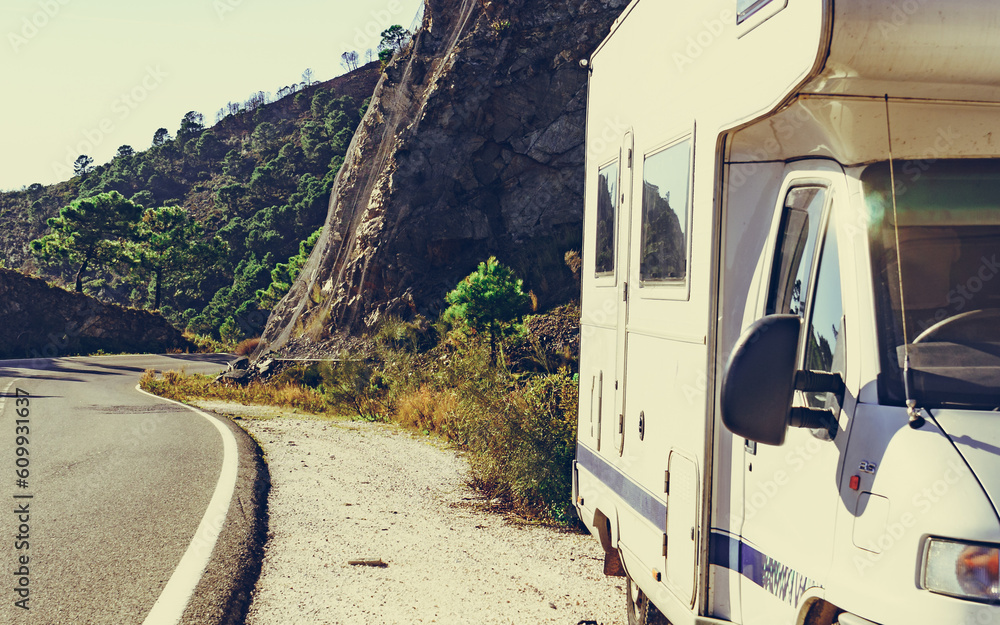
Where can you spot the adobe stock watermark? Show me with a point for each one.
(33, 24)
(907, 173)
(767, 489)
(611, 133)
(921, 504)
(696, 44)
(983, 615)
(592, 319)
(902, 12)
(223, 7)
(121, 107)
(58, 343)
(785, 126)
(964, 293)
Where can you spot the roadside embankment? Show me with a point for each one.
(44, 321)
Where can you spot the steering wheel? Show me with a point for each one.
(970, 326)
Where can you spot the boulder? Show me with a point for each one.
(239, 377)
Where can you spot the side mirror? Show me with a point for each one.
(761, 379)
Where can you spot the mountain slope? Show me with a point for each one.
(473, 145)
(260, 179)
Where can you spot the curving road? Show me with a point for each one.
(117, 486)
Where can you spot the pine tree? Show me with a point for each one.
(488, 300)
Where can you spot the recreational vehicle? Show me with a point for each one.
(790, 357)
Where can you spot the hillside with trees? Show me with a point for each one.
(474, 147)
(208, 224)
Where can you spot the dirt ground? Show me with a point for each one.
(372, 524)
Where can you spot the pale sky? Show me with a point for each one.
(86, 76)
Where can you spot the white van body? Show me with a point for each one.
(738, 168)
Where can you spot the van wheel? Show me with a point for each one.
(640, 610)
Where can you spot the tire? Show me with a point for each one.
(639, 609)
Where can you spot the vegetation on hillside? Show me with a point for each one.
(209, 226)
(515, 416)
(202, 220)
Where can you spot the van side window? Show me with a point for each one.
(824, 350)
(793, 259)
(666, 177)
(607, 208)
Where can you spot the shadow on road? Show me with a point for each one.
(218, 359)
(96, 365)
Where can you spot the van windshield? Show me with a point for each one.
(948, 309)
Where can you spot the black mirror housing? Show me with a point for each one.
(759, 382)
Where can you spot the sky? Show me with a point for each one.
(87, 76)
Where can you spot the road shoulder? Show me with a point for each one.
(223, 594)
(370, 523)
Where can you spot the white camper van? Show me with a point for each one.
(790, 360)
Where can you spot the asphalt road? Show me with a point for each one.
(116, 489)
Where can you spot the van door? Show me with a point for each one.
(664, 421)
(792, 492)
(624, 240)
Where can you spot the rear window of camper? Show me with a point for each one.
(666, 178)
(607, 207)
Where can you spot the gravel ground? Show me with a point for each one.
(345, 491)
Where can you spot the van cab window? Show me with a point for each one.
(946, 313)
(666, 178)
(793, 261)
(607, 208)
(824, 348)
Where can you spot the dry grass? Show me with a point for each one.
(247, 347)
(430, 411)
(517, 428)
(180, 386)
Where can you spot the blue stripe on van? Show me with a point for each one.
(780, 580)
(634, 495)
(729, 552)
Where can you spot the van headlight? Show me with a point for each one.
(962, 569)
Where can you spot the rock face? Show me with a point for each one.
(473, 145)
(42, 321)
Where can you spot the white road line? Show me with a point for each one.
(3, 396)
(169, 608)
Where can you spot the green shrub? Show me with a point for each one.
(230, 331)
(356, 386)
(523, 445)
(489, 300)
(414, 336)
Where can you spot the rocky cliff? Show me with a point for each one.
(473, 145)
(42, 321)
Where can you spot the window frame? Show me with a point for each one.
(828, 226)
(824, 218)
(677, 289)
(608, 278)
(758, 13)
(837, 214)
